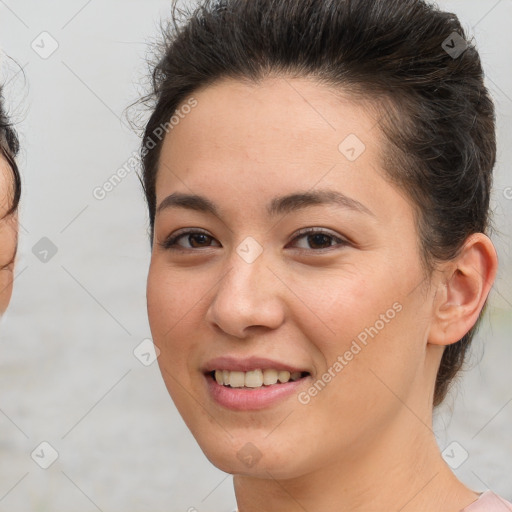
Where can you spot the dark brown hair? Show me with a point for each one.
(440, 125)
(9, 147)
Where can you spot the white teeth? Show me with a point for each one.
(236, 379)
(269, 377)
(283, 376)
(254, 378)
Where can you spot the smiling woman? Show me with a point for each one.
(320, 258)
(10, 191)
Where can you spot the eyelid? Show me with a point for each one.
(317, 231)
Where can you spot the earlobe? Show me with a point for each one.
(463, 291)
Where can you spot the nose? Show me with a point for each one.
(249, 296)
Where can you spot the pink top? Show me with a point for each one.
(489, 502)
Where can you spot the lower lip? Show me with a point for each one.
(251, 399)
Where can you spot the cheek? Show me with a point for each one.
(365, 325)
(6, 281)
(167, 304)
(174, 308)
(339, 304)
(168, 298)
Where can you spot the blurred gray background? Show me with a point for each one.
(68, 373)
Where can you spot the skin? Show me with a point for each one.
(365, 441)
(8, 236)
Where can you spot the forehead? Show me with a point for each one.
(245, 115)
(244, 141)
(276, 122)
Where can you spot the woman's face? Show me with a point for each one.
(257, 289)
(8, 235)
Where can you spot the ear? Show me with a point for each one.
(462, 290)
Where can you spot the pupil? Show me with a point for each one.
(202, 239)
(320, 239)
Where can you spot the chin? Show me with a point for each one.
(251, 455)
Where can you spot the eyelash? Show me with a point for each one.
(170, 242)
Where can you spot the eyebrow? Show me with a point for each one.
(278, 205)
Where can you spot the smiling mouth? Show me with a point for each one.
(255, 378)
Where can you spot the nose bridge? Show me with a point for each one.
(247, 294)
(248, 265)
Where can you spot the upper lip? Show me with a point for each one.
(247, 364)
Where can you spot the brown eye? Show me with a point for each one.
(199, 238)
(192, 240)
(317, 239)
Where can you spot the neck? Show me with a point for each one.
(401, 468)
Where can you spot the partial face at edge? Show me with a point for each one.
(306, 298)
(8, 235)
